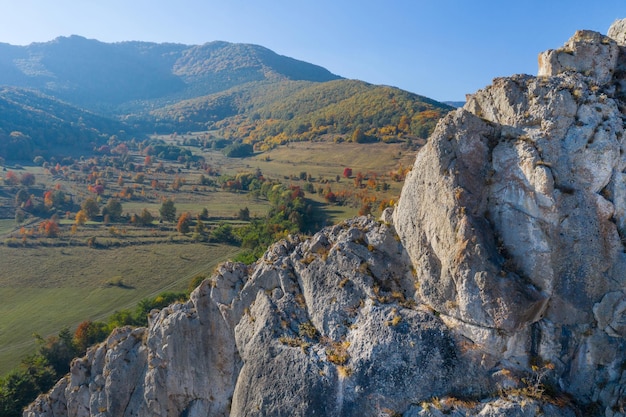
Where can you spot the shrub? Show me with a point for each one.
(113, 209)
(90, 207)
(238, 150)
(223, 233)
(308, 330)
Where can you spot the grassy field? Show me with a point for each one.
(329, 159)
(6, 226)
(44, 289)
(48, 284)
(218, 203)
(325, 161)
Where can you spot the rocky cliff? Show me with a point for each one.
(496, 288)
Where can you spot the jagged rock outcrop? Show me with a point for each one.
(496, 287)
(326, 326)
(514, 217)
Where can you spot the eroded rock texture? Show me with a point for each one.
(524, 253)
(496, 288)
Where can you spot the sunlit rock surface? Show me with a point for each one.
(496, 287)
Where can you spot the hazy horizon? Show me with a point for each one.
(442, 50)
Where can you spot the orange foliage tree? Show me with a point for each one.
(49, 228)
(11, 178)
(47, 199)
(184, 223)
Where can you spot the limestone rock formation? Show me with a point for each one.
(496, 288)
(523, 250)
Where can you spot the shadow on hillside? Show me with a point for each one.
(319, 218)
(117, 282)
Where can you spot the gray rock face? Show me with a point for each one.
(322, 327)
(496, 287)
(586, 52)
(534, 168)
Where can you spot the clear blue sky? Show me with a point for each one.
(441, 49)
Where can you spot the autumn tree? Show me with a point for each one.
(10, 178)
(358, 136)
(178, 182)
(184, 223)
(47, 199)
(330, 197)
(365, 209)
(358, 180)
(49, 228)
(88, 333)
(81, 218)
(168, 210)
(27, 179)
(404, 124)
(98, 189)
(54, 199)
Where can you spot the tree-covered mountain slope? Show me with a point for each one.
(274, 113)
(34, 124)
(241, 92)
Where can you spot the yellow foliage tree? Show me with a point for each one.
(81, 218)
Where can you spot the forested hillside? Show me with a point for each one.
(239, 92)
(33, 124)
(274, 113)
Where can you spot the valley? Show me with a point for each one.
(131, 171)
(102, 266)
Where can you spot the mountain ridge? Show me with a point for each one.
(79, 70)
(231, 87)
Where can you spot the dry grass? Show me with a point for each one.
(337, 352)
(46, 288)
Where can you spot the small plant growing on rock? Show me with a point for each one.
(294, 342)
(300, 300)
(337, 352)
(535, 387)
(395, 320)
(343, 372)
(308, 330)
